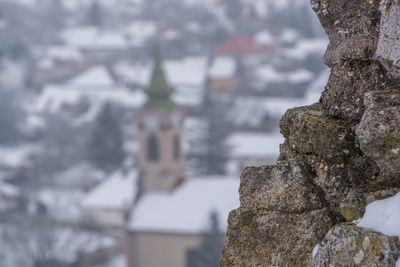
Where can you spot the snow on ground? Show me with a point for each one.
(96, 76)
(383, 216)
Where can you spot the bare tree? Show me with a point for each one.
(40, 242)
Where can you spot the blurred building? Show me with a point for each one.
(221, 75)
(170, 209)
(161, 160)
(109, 203)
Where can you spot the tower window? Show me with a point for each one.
(177, 148)
(153, 148)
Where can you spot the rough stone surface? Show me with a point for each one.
(285, 188)
(268, 238)
(308, 130)
(346, 245)
(339, 155)
(379, 130)
(388, 51)
(352, 27)
(347, 85)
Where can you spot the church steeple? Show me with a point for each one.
(161, 157)
(159, 91)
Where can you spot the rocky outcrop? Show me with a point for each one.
(345, 245)
(339, 155)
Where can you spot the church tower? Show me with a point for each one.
(161, 159)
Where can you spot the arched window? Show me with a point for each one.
(177, 148)
(153, 148)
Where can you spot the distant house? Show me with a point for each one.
(250, 113)
(253, 149)
(96, 86)
(99, 44)
(108, 204)
(15, 158)
(188, 77)
(164, 226)
(9, 196)
(221, 75)
(58, 63)
(282, 81)
(246, 48)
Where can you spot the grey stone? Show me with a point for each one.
(346, 245)
(269, 238)
(343, 97)
(388, 51)
(308, 130)
(352, 27)
(379, 130)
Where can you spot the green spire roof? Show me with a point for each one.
(159, 91)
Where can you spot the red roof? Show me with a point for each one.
(244, 45)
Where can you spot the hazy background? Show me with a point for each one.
(73, 79)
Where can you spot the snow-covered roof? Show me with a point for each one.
(88, 38)
(306, 47)
(188, 96)
(264, 37)
(96, 76)
(254, 145)
(268, 74)
(187, 209)
(264, 8)
(8, 190)
(288, 36)
(190, 71)
(139, 73)
(53, 97)
(65, 53)
(141, 29)
(222, 67)
(186, 75)
(118, 192)
(14, 157)
(251, 111)
(61, 204)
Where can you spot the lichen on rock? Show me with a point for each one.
(346, 245)
(339, 155)
(379, 130)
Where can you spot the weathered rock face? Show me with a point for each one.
(346, 245)
(339, 154)
(379, 130)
